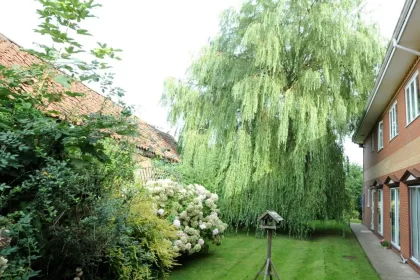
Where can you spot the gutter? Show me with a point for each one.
(399, 29)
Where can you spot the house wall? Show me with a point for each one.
(398, 155)
(406, 134)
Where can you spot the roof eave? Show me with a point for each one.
(399, 29)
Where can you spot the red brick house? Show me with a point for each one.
(150, 143)
(390, 136)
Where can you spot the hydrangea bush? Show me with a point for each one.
(192, 209)
(4, 242)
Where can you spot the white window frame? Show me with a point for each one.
(380, 135)
(396, 217)
(411, 99)
(381, 212)
(393, 121)
(414, 224)
(368, 197)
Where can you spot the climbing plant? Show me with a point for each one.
(268, 101)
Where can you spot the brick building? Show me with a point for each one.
(150, 142)
(390, 135)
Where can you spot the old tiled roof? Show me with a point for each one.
(150, 140)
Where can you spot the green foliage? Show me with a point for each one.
(61, 178)
(61, 216)
(267, 103)
(354, 187)
(384, 243)
(187, 174)
(144, 250)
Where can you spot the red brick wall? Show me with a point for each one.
(405, 242)
(405, 134)
(386, 214)
(404, 221)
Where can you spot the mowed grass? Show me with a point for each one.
(326, 255)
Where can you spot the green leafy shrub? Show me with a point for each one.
(62, 180)
(384, 243)
(58, 176)
(144, 250)
(64, 217)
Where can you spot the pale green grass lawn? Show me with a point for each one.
(327, 255)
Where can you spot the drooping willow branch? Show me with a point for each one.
(276, 92)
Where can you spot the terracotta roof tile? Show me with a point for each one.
(150, 139)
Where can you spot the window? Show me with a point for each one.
(415, 222)
(412, 99)
(372, 141)
(380, 135)
(393, 122)
(395, 217)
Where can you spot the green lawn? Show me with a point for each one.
(327, 255)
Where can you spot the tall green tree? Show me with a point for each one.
(268, 101)
(354, 187)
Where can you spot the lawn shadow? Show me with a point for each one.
(328, 230)
(185, 260)
(318, 230)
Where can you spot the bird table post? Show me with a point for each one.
(269, 221)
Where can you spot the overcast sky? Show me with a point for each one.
(159, 38)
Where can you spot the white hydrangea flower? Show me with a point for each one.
(209, 203)
(190, 205)
(177, 223)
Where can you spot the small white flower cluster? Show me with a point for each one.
(4, 242)
(193, 210)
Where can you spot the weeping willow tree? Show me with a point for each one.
(267, 103)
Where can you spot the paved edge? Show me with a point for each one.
(386, 263)
(358, 241)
